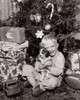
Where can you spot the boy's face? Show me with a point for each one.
(51, 46)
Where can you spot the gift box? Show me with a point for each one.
(10, 70)
(12, 34)
(11, 60)
(8, 51)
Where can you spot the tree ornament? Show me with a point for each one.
(77, 17)
(14, 7)
(39, 34)
(23, 1)
(50, 1)
(52, 11)
(19, 0)
(48, 27)
(59, 5)
(32, 17)
(38, 17)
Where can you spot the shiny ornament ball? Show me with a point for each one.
(47, 27)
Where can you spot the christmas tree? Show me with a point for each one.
(41, 17)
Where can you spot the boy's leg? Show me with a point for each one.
(50, 83)
(32, 81)
(28, 71)
(38, 66)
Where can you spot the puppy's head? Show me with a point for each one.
(44, 53)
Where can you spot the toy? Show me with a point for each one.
(73, 81)
(11, 87)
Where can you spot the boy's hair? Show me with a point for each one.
(48, 37)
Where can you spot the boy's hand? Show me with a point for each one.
(47, 59)
(68, 72)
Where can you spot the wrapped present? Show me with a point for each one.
(12, 34)
(11, 62)
(8, 71)
(7, 50)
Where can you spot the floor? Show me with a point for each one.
(62, 93)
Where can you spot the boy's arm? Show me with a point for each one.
(47, 62)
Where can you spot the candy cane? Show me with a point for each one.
(52, 11)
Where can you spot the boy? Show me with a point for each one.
(56, 70)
